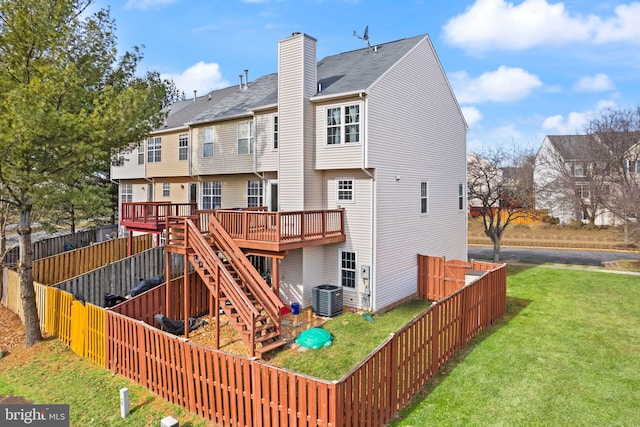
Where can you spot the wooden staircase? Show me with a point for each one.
(247, 300)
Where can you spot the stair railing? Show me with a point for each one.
(250, 276)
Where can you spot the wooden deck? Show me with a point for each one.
(282, 231)
(252, 229)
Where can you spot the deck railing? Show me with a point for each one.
(281, 227)
(153, 215)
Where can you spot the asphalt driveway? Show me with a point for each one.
(559, 256)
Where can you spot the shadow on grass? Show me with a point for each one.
(140, 405)
(514, 307)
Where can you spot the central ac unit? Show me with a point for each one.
(326, 300)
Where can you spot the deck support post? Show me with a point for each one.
(275, 275)
(186, 280)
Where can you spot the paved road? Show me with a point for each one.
(559, 256)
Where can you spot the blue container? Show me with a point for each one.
(295, 308)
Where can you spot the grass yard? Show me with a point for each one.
(353, 339)
(50, 373)
(567, 353)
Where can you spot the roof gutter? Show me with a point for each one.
(360, 93)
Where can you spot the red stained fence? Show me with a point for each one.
(238, 391)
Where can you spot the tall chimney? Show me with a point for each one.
(240, 76)
(246, 78)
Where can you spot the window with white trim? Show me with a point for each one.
(348, 269)
(126, 193)
(166, 189)
(207, 142)
(275, 132)
(344, 190)
(424, 197)
(141, 153)
(211, 195)
(460, 197)
(154, 150)
(245, 137)
(343, 125)
(254, 194)
(183, 146)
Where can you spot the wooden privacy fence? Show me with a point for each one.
(438, 277)
(12, 300)
(121, 276)
(238, 391)
(68, 264)
(52, 246)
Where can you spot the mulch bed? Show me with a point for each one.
(11, 331)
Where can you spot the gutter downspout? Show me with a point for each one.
(372, 214)
(255, 148)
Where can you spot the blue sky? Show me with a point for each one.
(520, 69)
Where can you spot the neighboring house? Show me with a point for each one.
(376, 132)
(577, 177)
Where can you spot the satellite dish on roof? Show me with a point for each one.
(364, 37)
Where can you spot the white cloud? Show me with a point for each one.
(497, 24)
(202, 77)
(500, 24)
(575, 122)
(147, 4)
(503, 85)
(472, 115)
(598, 83)
(623, 27)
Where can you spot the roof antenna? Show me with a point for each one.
(364, 37)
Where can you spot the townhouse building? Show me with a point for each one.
(374, 134)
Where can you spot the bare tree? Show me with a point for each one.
(500, 185)
(618, 130)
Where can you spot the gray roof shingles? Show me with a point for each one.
(342, 73)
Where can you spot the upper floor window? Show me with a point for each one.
(183, 146)
(211, 195)
(343, 125)
(245, 138)
(126, 193)
(254, 194)
(424, 197)
(344, 188)
(141, 153)
(275, 132)
(348, 269)
(578, 169)
(460, 197)
(582, 190)
(166, 189)
(207, 142)
(154, 149)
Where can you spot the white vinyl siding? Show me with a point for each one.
(183, 146)
(425, 114)
(339, 155)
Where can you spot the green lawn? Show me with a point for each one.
(566, 354)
